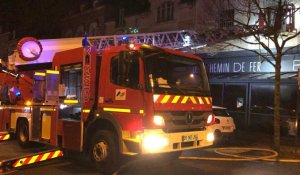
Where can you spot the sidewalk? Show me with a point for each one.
(263, 140)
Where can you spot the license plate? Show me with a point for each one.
(189, 138)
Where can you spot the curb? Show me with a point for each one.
(290, 149)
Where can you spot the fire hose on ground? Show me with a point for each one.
(235, 154)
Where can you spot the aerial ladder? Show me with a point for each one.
(186, 40)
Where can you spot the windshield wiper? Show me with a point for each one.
(178, 88)
(169, 86)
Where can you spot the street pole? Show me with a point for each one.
(297, 113)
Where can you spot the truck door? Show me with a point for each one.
(70, 107)
(123, 96)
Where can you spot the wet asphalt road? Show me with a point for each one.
(150, 166)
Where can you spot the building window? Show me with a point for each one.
(125, 72)
(165, 12)
(226, 18)
(287, 21)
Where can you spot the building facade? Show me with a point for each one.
(239, 79)
(162, 16)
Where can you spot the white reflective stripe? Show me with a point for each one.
(155, 97)
(200, 100)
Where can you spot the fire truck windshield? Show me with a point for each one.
(167, 73)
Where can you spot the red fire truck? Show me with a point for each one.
(132, 99)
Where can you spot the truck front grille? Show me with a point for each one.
(179, 121)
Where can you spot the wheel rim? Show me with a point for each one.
(23, 133)
(100, 151)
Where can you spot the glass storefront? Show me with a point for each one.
(252, 104)
(244, 85)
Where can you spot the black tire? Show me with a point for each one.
(104, 152)
(23, 134)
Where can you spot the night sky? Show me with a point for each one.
(41, 18)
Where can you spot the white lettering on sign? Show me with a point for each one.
(236, 65)
(239, 67)
(219, 67)
(254, 67)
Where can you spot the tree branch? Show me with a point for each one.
(285, 52)
(254, 51)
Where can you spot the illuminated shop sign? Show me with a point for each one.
(250, 65)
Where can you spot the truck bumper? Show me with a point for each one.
(157, 141)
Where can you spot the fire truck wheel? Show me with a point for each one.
(23, 134)
(104, 152)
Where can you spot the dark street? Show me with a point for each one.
(186, 164)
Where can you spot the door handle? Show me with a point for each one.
(108, 100)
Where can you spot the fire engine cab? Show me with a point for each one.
(131, 99)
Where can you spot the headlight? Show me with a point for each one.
(158, 120)
(153, 143)
(210, 137)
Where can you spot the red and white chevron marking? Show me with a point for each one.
(37, 158)
(178, 99)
